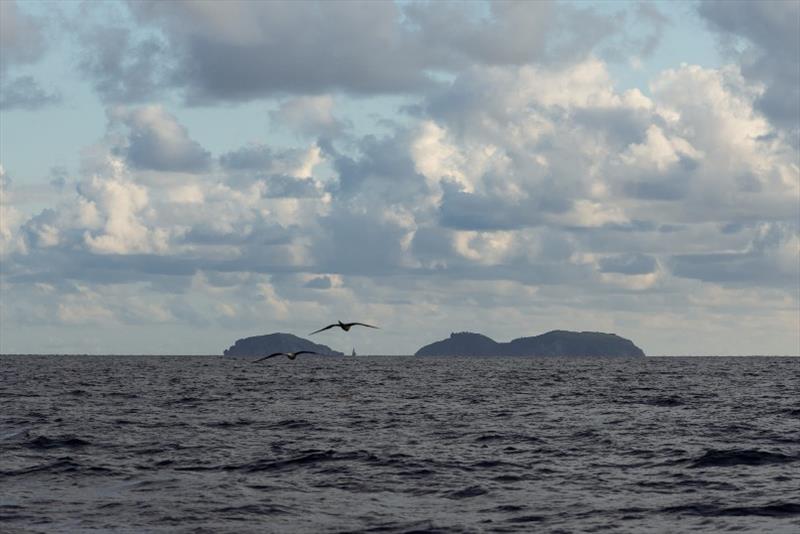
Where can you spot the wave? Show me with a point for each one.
(732, 457)
(664, 402)
(780, 509)
(65, 464)
(44, 442)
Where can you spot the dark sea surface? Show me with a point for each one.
(399, 444)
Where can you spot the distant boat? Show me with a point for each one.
(354, 352)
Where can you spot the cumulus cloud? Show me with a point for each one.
(250, 50)
(521, 181)
(770, 30)
(156, 140)
(311, 115)
(116, 207)
(263, 159)
(245, 50)
(10, 219)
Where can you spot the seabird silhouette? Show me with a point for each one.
(344, 326)
(290, 355)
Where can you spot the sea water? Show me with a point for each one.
(398, 444)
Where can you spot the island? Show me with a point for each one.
(554, 343)
(278, 342)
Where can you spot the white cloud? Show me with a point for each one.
(123, 207)
(10, 219)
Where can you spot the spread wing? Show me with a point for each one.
(325, 328)
(364, 324)
(270, 356)
(299, 352)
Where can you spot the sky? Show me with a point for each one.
(178, 175)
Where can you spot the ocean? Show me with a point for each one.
(399, 444)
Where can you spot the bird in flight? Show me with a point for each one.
(344, 326)
(290, 355)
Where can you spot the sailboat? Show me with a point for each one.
(354, 351)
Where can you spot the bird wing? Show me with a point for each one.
(364, 324)
(268, 357)
(299, 352)
(325, 328)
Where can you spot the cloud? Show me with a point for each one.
(771, 31)
(630, 264)
(521, 181)
(263, 159)
(124, 68)
(320, 282)
(156, 141)
(10, 219)
(311, 116)
(117, 206)
(357, 242)
(24, 92)
(772, 258)
(253, 50)
(22, 39)
(248, 50)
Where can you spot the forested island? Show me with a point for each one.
(554, 343)
(278, 342)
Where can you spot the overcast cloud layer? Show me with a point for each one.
(517, 190)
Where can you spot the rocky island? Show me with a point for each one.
(554, 343)
(278, 342)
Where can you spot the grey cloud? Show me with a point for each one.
(243, 50)
(732, 227)
(22, 41)
(731, 267)
(24, 92)
(358, 243)
(648, 13)
(628, 264)
(769, 260)
(157, 141)
(288, 187)
(58, 176)
(252, 157)
(36, 228)
(470, 211)
(382, 164)
(620, 126)
(319, 282)
(21, 36)
(56, 264)
(258, 235)
(432, 243)
(773, 29)
(256, 159)
(467, 211)
(70, 261)
(514, 32)
(672, 185)
(635, 225)
(122, 69)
